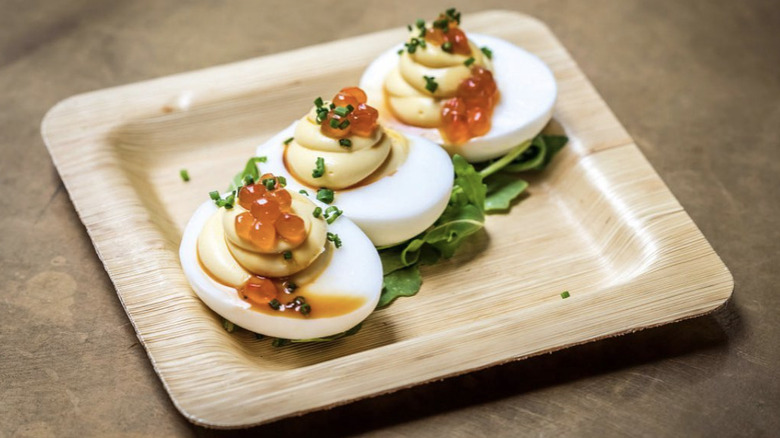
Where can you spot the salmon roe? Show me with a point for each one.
(341, 122)
(268, 216)
(453, 40)
(468, 114)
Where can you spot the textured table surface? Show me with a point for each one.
(696, 83)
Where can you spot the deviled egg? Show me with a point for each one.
(393, 186)
(270, 262)
(476, 95)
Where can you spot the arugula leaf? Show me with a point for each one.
(250, 170)
(502, 189)
(538, 156)
(400, 283)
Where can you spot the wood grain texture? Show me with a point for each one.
(599, 223)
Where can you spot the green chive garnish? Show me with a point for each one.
(565, 294)
(319, 168)
(345, 142)
(341, 111)
(214, 195)
(282, 181)
(269, 183)
(468, 62)
(275, 304)
(447, 47)
(288, 141)
(303, 192)
(305, 309)
(344, 124)
(332, 213)
(487, 52)
(325, 195)
(420, 23)
(317, 212)
(335, 239)
(185, 176)
(400, 51)
(318, 102)
(290, 286)
(334, 123)
(287, 255)
(430, 84)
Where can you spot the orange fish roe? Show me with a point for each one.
(468, 114)
(453, 40)
(259, 290)
(349, 115)
(269, 216)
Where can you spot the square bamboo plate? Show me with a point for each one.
(599, 223)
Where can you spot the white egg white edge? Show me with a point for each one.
(394, 208)
(528, 94)
(354, 269)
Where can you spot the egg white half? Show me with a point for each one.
(394, 208)
(353, 270)
(528, 92)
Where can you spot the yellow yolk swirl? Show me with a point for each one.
(364, 159)
(405, 85)
(232, 260)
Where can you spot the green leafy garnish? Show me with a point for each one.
(289, 140)
(469, 61)
(185, 176)
(502, 189)
(565, 294)
(250, 172)
(332, 237)
(477, 189)
(487, 52)
(400, 283)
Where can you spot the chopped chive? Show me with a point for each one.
(420, 23)
(341, 111)
(468, 62)
(325, 195)
(447, 47)
(318, 102)
(317, 212)
(214, 195)
(344, 124)
(290, 286)
(319, 168)
(442, 24)
(430, 84)
(350, 108)
(565, 294)
(249, 180)
(487, 52)
(185, 176)
(275, 304)
(345, 142)
(287, 255)
(303, 192)
(335, 239)
(332, 213)
(305, 309)
(409, 27)
(422, 43)
(282, 181)
(332, 105)
(289, 140)
(299, 300)
(400, 51)
(269, 183)
(334, 123)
